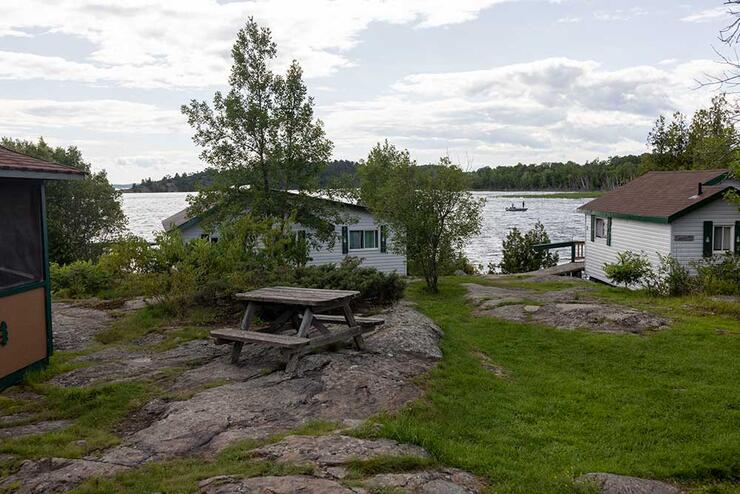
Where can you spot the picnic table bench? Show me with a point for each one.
(300, 309)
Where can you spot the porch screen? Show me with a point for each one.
(21, 251)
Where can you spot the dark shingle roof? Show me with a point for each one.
(660, 195)
(21, 164)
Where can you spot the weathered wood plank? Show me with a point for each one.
(336, 336)
(297, 296)
(239, 337)
(368, 321)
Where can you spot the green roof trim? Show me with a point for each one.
(634, 217)
(717, 195)
(719, 178)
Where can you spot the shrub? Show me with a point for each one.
(718, 275)
(78, 279)
(629, 269)
(671, 278)
(519, 254)
(373, 285)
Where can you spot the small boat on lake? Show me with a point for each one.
(515, 208)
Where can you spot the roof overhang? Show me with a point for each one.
(661, 219)
(40, 175)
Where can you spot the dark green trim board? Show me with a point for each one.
(593, 227)
(634, 217)
(26, 287)
(345, 240)
(608, 231)
(383, 238)
(703, 202)
(719, 178)
(707, 239)
(18, 375)
(737, 238)
(47, 274)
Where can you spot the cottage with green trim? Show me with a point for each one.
(681, 213)
(362, 237)
(25, 296)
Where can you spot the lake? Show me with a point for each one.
(146, 211)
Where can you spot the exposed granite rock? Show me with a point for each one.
(443, 481)
(609, 483)
(36, 428)
(342, 385)
(564, 309)
(289, 484)
(76, 325)
(323, 452)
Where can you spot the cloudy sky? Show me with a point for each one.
(487, 82)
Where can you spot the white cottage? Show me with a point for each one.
(681, 213)
(363, 238)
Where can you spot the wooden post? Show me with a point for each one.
(351, 322)
(236, 348)
(305, 323)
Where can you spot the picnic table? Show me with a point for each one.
(301, 310)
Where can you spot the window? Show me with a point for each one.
(600, 228)
(363, 239)
(21, 250)
(722, 238)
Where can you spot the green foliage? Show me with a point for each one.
(179, 276)
(261, 139)
(671, 278)
(374, 286)
(519, 254)
(429, 211)
(82, 214)
(718, 275)
(78, 279)
(629, 270)
(593, 175)
(709, 141)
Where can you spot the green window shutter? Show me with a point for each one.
(383, 238)
(593, 227)
(707, 238)
(609, 231)
(737, 238)
(345, 240)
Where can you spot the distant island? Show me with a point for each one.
(592, 176)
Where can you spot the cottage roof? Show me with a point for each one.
(661, 195)
(17, 165)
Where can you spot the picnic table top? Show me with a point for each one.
(297, 296)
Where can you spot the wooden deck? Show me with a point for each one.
(570, 268)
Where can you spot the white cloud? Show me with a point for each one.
(549, 109)
(619, 14)
(36, 117)
(569, 20)
(706, 15)
(186, 43)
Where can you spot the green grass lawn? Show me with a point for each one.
(664, 405)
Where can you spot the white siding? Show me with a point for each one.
(720, 212)
(386, 262)
(637, 236)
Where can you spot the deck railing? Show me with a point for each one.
(576, 248)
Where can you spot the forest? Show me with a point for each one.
(556, 176)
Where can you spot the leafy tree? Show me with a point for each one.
(430, 213)
(519, 254)
(82, 214)
(261, 138)
(709, 141)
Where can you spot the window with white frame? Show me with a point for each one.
(600, 228)
(722, 238)
(363, 239)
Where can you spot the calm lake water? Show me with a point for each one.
(146, 211)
